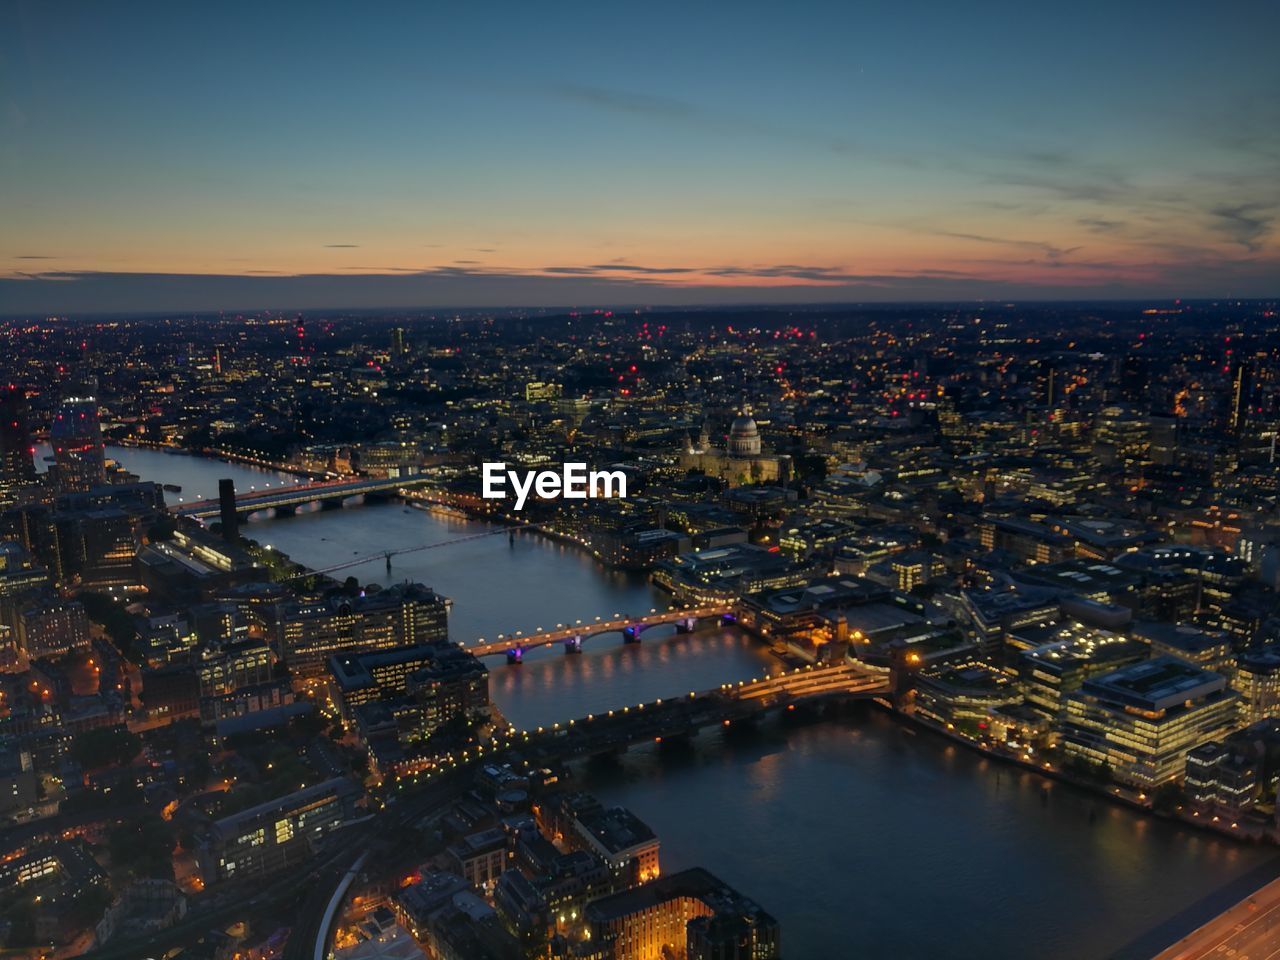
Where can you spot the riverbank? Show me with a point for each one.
(454, 513)
(1113, 793)
(216, 454)
(798, 815)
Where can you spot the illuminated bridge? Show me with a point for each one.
(285, 500)
(572, 635)
(669, 719)
(683, 717)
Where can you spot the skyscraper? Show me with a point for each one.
(78, 453)
(227, 510)
(1241, 393)
(398, 345)
(17, 459)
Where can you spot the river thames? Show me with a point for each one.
(864, 837)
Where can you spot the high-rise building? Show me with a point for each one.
(78, 453)
(309, 631)
(398, 345)
(17, 452)
(1241, 393)
(1257, 680)
(227, 510)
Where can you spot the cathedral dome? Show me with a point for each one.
(744, 437)
(743, 426)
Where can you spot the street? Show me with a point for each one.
(1248, 931)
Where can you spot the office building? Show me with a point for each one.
(1257, 680)
(691, 914)
(310, 631)
(277, 833)
(1141, 721)
(17, 449)
(78, 453)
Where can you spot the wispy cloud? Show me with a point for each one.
(1244, 223)
(1100, 224)
(476, 286)
(709, 120)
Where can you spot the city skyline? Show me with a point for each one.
(665, 482)
(159, 159)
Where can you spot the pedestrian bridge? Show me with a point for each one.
(686, 618)
(288, 499)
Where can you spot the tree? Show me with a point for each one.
(1166, 798)
(105, 747)
(143, 848)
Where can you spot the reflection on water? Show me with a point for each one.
(610, 674)
(867, 833)
(198, 476)
(866, 838)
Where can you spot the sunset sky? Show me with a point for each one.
(242, 155)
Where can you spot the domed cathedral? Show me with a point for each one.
(742, 460)
(744, 436)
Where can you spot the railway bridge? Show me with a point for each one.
(329, 494)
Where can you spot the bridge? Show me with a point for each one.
(315, 886)
(572, 635)
(668, 719)
(286, 500)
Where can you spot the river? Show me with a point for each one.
(866, 838)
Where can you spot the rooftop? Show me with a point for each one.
(1155, 685)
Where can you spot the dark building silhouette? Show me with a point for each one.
(227, 509)
(17, 457)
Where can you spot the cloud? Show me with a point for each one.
(688, 115)
(1100, 224)
(477, 287)
(1244, 223)
(1050, 251)
(342, 246)
(618, 267)
(33, 256)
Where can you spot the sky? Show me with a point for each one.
(180, 156)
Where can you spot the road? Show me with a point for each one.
(1248, 931)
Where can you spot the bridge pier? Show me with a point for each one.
(631, 634)
(515, 655)
(285, 510)
(573, 645)
(332, 503)
(727, 618)
(686, 625)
